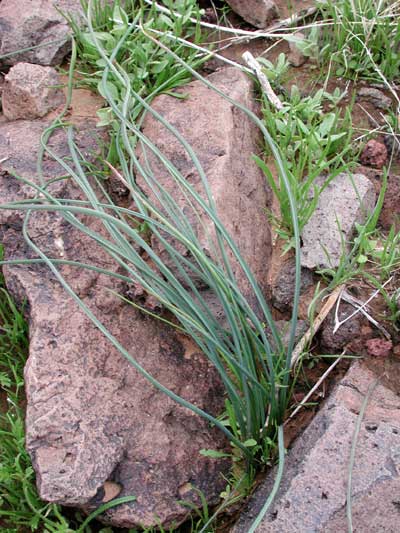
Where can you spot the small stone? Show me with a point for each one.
(258, 13)
(31, 91)
(296, 56)
(348, 199)
(379, 347)
(374, 154)
(283, 286)
(376, 97)
(396, 350)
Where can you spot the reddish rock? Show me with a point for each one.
(95, 427)
(31, 91)
(258, 13)
(374, 154)
(224, 139)
(379, 347)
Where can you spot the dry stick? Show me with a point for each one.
(315, 387)
(316, 324)
(347, 297)
(359, 309)
(262, 78)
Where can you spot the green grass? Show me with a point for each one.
(316, 138)
(362, 36)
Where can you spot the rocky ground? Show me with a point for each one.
(93, 426)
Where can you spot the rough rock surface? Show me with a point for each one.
(30, 92)
(377, 97)
(347, 333)
(258, 13)
(91, 417)
(312, 496)
(283, 285)
(224, 139)
(374, 154)
(347, 200)
(41, 25)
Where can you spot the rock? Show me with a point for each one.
(39, 25)
(379, 347)
(296, 56)
(374, 154)
(283, 286)
(376, 97)
(283, 327)
(224, 140)
(347, 200)
(312, 495)
(95, 427)
(30, 92)
(347, 333)
(258, 13)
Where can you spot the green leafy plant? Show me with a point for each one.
(315, 142)
(360, 36)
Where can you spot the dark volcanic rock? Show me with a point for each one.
(283, 286)
(348, 332)
(93, 422)
(224, 139)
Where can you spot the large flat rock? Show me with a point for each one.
(312, 496)
(91, 417)
(224, 139)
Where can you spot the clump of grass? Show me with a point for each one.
(315, 138)
(362, 35)
(255, 375)
(149, 69)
